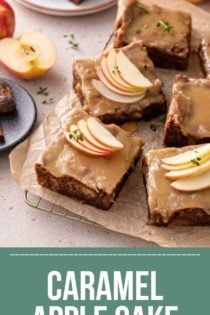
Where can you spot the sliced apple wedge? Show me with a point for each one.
(29, 57)
(80, 147)
(130, 73)
(112, 87)
(196, 183)
(74, 130)
(177, 167)
(110, 63)
(106, 92)
(186, 157)
(82, 125)
(194, 171)
(114, 79)
(102, 135)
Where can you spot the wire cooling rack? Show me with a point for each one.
(41, 204)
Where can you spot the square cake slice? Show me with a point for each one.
(205, 55)
(178, 185)
(188, 116)
(88, 160)
(165, 33)
(120, 85)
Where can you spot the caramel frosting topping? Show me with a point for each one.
(103, 173)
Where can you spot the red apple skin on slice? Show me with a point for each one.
(102, 135)
(109, 94)
(87, 144)
(109, 85)
(82, 125)
(194, 184)
(79, 147)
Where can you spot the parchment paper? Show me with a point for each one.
(129, 213)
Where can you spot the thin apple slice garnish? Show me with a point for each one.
(117, 83)
(115, 89)
(174, 175)
(109, 66)
(106, 92)
(79, 137)
(130, 73)
(80, 147)
(197, 183)
(189, 156)
(102, 135)
(82, 125)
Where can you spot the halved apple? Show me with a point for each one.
(29, 57)
(82, 125)
(112, 87)
(106, 92)
(102, 135)
(173, 175)
(75, 132)
(130, 73)
(186, 157)
(200, 182)
(80, 147)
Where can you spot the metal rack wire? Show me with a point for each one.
(38, 203)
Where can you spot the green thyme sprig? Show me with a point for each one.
(77, 134)
(165, 25)
(72, 41)
(132, 109)
(42, 91)
(196, 161)
(154, 126)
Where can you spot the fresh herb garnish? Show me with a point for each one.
(115, 70)
(48, 101)
(163, 120)
(76, 134)
(154, 126)
(142, 7)
(42, 91)
(196, 161)
(165, 25)
(132, 109)
(71, 40)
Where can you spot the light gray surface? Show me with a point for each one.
(21, 225)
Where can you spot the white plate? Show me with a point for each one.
(66, 7)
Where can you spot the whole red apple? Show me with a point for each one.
(7, 20)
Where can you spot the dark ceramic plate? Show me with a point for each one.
(19, 124)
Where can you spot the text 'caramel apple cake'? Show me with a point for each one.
(88, 160)
(165, 33)
(120, 85)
